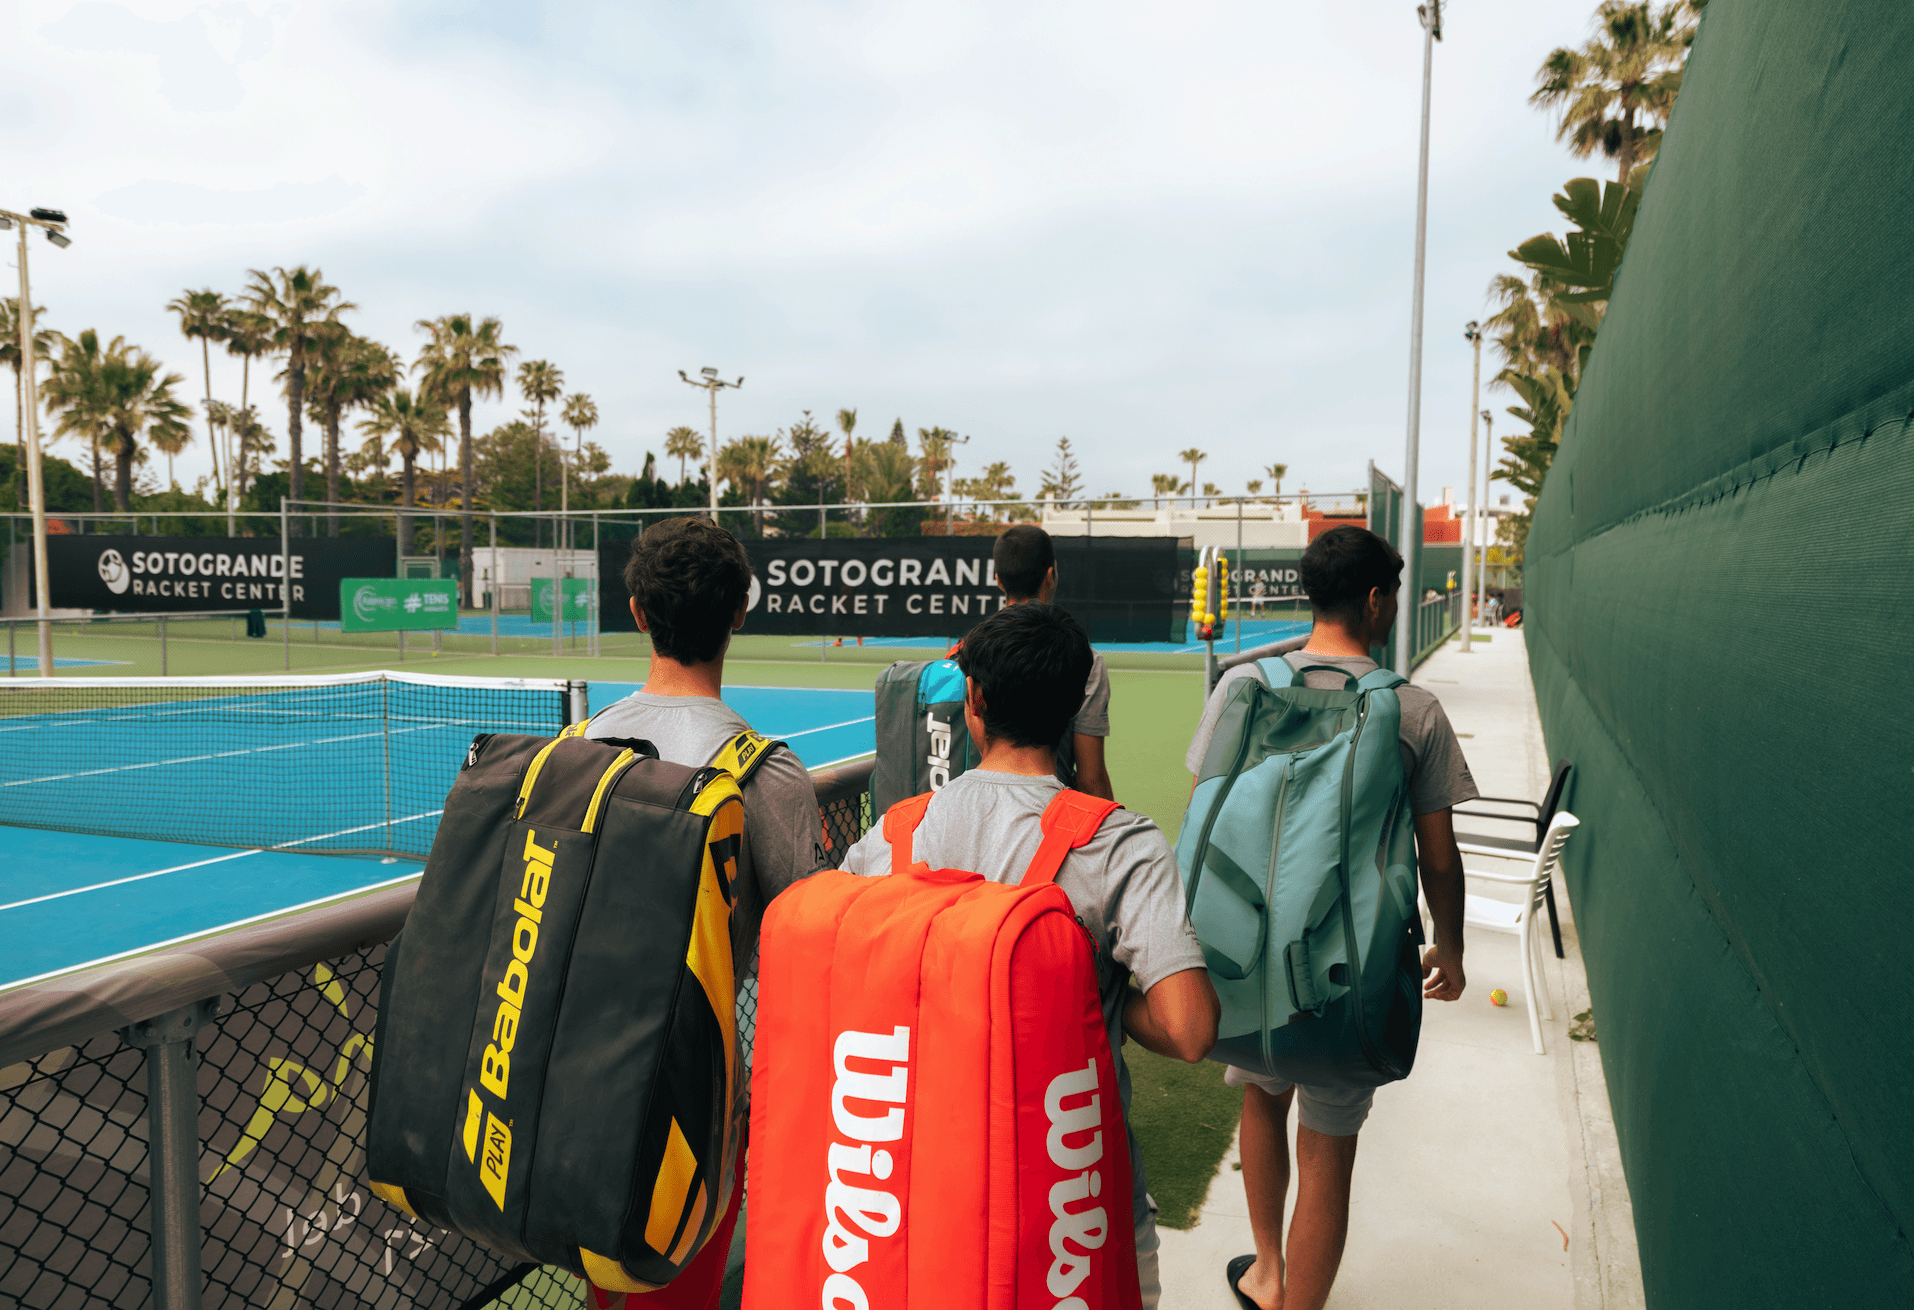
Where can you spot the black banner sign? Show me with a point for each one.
(1119, 588)
(160, 574)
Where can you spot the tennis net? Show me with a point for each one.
(349, 763)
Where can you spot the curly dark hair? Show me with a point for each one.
(1030, 662)
(689, 576)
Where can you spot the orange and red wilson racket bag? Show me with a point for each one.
(934, 1111)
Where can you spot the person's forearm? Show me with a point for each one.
(1093, 774)
(1144, 1029)
(1442, 887)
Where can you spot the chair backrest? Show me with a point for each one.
(1549, 857)
(1552, 799)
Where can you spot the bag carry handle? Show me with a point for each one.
(1233, 876)
(1351, 683)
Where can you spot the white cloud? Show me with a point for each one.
(1141, 226)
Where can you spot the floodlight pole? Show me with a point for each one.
(1488, 476)
(1431, 17)
(30, 410)
(712, 384)
(1473, 333)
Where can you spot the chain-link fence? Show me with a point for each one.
(216, 1095)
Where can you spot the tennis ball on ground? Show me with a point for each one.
(1498, 997)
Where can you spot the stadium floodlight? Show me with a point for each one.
(49, 221)
(708, 379)
(1430, 15)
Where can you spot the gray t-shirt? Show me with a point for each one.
(1093, 720)
(783, 839)
(1431, 756)
(1123, 885)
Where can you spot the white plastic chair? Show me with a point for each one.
(1518, 917)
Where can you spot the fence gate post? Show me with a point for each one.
(172, 1131)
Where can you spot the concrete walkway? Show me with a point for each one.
(1490, 1178)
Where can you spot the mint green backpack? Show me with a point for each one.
(1299, 875)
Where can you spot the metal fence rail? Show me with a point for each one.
(187, 1128)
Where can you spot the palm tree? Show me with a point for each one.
(581, 415)
(248, 337)
(113, 395)
(170, 437)
(409, 424)
(346, 370)
(300, 307)
(202, 317)
(685, 443)
(464, 358)
(1254, 486)
(1192, 457)
(539, 381)
(1615, 93)
(44, 341)
(1277, 472)
(1164, 484)
(750, 463)
(847, 424)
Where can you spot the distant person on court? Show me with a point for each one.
(1352, 578)
(1026, 566)
(1023, 666)
(689, 580)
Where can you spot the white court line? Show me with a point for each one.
(848, 723)
(212, 932)
(217, 859)
(217, 755)
(832, 764)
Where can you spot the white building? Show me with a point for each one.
(1261, 526)
(514, 567)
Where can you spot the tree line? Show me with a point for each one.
(1612, 96)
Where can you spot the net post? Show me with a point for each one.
(285, 581)
(577, 701)
(172, 1126)
(495, 582)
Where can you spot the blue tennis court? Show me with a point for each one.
(246, 787)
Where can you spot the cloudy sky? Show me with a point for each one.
(1141, 227)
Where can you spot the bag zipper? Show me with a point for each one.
(1269, 898)
(1209, 822)
(1369, 1049)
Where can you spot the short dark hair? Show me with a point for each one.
(689, 576)
(1031, 663)
(1343, 566)
(1022, 556)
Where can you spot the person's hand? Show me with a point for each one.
(1442, 976)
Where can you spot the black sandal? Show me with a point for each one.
(1233, 1274)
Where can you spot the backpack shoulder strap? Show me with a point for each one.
(1070, 820)
(1279, 672)
(900, 821)
(741, 756)
(1380, 680)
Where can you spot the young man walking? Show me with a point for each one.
(1352, 578)
(1025, 561)
(1023, 667)
(689, 580)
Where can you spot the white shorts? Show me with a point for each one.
(1331, 1111)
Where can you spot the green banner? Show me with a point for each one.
(581, 597)
(398, 604)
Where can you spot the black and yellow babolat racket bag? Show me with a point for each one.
(556, 1072)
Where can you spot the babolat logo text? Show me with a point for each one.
(939, 757)
(495, 1067)
(1075, 1142)
(853, 1215)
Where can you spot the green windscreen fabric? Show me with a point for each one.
(1720, 623)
